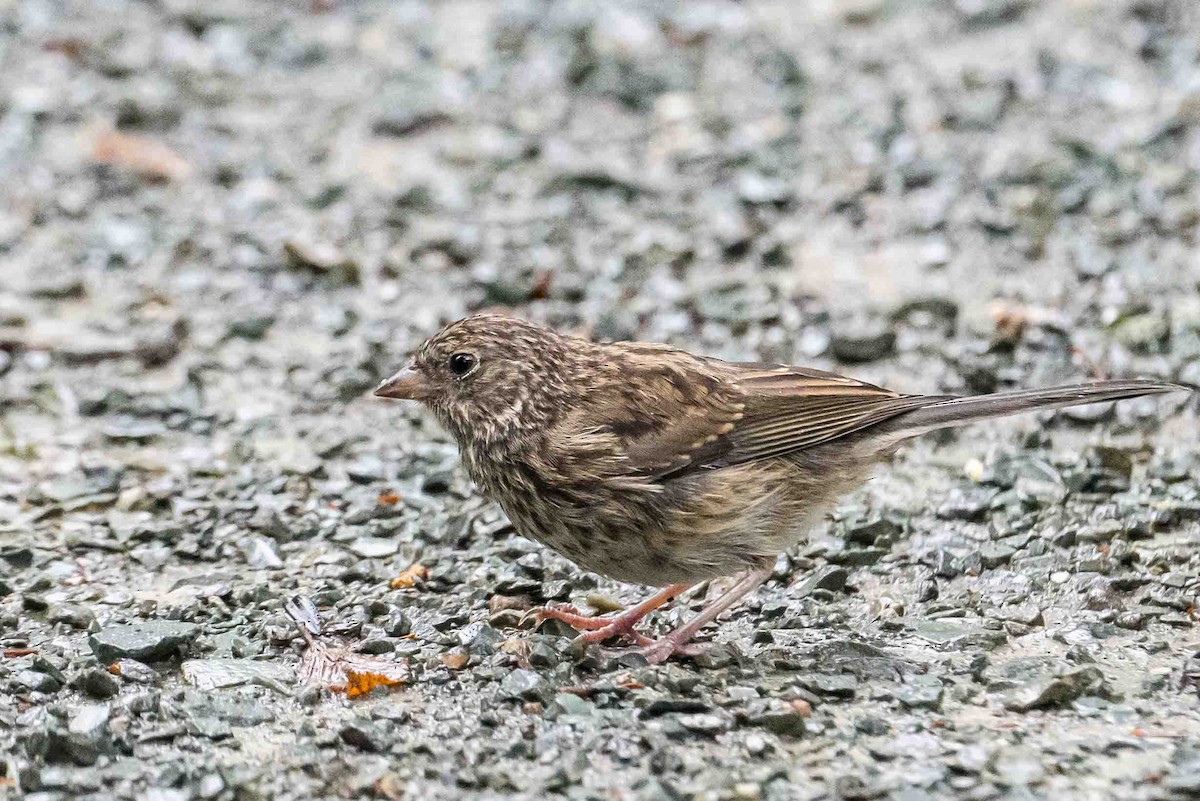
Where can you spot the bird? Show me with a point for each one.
(651, 465)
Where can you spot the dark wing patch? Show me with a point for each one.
(654, 411)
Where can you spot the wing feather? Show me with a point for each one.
(662, 413)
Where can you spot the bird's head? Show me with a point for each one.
(489, 377)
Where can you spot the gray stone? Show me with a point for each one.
(856, 343)
(952, 634)
(1058, 690)
(37, 681)
(364, 735)
(144, 642)
(96, 682)
(85, 739)
(783, 723)
(835, 686)
(967, 503)
(78, 617)
(994, 555)
(1017, 767)
(374, 548)
(827, 578)
(522, 683)
(921, 692)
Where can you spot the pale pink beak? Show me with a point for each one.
(404, 385)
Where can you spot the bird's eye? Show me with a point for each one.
(462, 363)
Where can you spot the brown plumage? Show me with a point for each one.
(651, 465)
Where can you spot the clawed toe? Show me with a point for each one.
(613, 630)
(567, 614)
(599, 629)
(594, 629)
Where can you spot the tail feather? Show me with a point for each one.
(944, 413)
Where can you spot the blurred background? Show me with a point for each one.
(223, 222)
(847, 179)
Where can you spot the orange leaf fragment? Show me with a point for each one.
(388, 498)
(362, 683)
(414, 573)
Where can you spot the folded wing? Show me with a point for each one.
(665, 413)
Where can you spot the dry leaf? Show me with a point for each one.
(412, 575)
(1009, 320)
(388, 498)
(342, 670)
(336, 666)
(456, 658)
(541, 285)
(145, 157)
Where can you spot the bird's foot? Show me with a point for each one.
(595, 629)
(599, 629)
(677, 642)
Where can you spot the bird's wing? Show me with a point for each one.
(661, 413)
(792, 408)
(649, 411)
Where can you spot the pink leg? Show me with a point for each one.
(660, 650)
(599, 629)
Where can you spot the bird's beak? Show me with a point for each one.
(404, 385)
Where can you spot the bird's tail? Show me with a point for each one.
(949, 412)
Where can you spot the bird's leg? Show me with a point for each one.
(660, 650)
(598, 629)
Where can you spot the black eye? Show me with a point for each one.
(462, 363)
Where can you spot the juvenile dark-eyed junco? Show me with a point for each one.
(654, 466)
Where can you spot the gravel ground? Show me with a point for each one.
(223, 222)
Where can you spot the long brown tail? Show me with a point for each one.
(960, 411)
